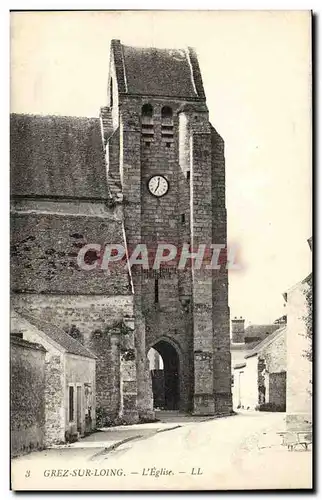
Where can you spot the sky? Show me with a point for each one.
(256, 73)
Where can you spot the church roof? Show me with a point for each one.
(157, 72)
(57, 156)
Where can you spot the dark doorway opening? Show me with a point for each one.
(165, 379)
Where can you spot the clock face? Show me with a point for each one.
(158, 185)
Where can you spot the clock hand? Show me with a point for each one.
(157, 185)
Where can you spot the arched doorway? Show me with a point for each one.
(164, 368)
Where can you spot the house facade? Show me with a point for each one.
(299, 367)
(261, 377)
(69, 380)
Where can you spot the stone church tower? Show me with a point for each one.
(156, 125)
(150, 170)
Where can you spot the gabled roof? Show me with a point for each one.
(68, 343)
(157, 72)
(266, 342)
(57, 156)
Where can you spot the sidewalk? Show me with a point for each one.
(112, 437)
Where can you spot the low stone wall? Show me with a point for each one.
(27, 396)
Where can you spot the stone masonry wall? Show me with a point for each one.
(299, 368)
(44, 249)
(54, 380)
(275, 355)
(151, 221)
(27, 400)
(94, 316)
(221, 314)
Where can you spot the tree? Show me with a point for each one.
(309, 316)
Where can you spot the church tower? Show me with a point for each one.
(166, 167)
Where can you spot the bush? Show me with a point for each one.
(271, 407)
(102, 418)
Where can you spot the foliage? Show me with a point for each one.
(119, 327)
(74, 332)
(309, 317)
(270, 407)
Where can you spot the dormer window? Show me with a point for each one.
(147, 130)
(167, 125)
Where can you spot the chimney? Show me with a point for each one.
(238, 330)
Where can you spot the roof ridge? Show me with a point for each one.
(38, 115)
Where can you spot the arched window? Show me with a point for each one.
(147, 124)
(111, 93)
(167, 125)
(166, 114)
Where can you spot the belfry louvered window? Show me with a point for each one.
(167, 125)
(147, 129)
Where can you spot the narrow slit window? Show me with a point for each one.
(156, 291)
(183, 218)
(188, 175)
(111, 93)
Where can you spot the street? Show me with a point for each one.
(237, 452)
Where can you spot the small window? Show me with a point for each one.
(188, 175)
(147, 144)
(168, 144)
(71, 403)
(183, 218)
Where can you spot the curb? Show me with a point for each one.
(170, 429)
(114, 446)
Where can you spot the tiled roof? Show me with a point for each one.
(68, 343)
(260, 331)
(266, 342)
(57, 156)
(243, 346)
(158, 72)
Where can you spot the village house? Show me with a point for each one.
(261, 377)
(68, 384)
(243, 340)
(299, 366)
